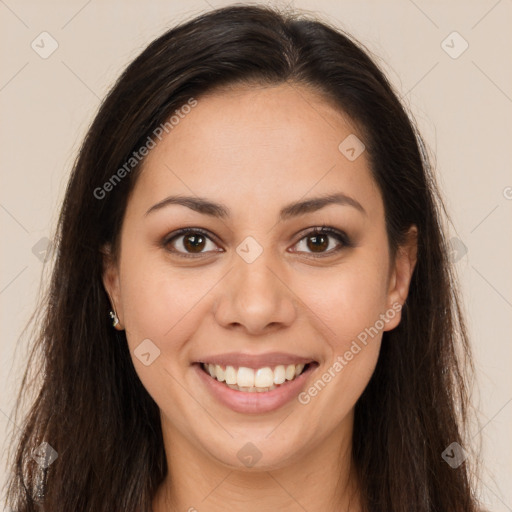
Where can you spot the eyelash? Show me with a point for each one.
(323, 230)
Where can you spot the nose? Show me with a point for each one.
(255, 298)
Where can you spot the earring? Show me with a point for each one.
(115, 320)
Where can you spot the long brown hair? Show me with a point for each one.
(90, 406)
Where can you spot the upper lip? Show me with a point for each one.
(270, 359)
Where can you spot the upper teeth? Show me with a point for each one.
(248, 377)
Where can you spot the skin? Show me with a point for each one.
(255, 150)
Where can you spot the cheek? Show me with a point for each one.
(349, 299)
(157, 300)
(348, 305)
(147, 301)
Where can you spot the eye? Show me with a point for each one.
(189, 242)
(319, 241)
(194, 242)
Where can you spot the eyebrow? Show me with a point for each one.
(206, 207)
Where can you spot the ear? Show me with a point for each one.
(110, 277)
(401, 274)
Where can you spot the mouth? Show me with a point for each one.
(256, 380)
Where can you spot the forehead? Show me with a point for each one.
(265, 145)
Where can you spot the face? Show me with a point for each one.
(252, 287)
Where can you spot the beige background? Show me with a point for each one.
(463, 106)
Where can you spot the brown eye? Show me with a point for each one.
(323, 241)
(317, 243)
(189, 243)
(194, 243)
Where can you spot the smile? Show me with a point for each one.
(264, 388)
(250, 380)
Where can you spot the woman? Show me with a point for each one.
(252, 306)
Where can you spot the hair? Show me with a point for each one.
(90, 405)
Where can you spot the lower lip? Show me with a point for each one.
(255, 403)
